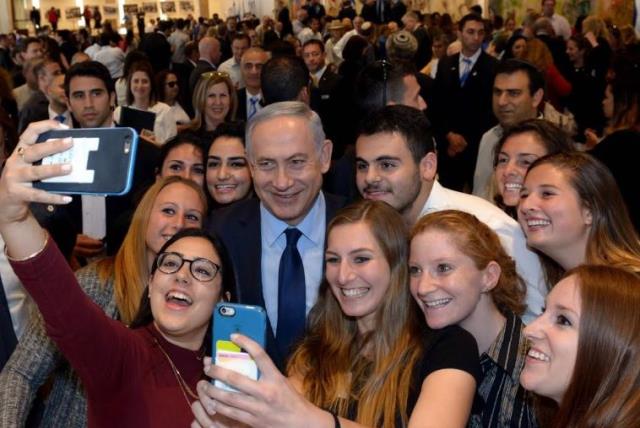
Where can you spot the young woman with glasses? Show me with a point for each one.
(139, 376)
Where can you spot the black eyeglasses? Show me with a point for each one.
(201, 269)
(172, 84)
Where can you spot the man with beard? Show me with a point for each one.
(396, 163)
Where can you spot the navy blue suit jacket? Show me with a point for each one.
(238, 227)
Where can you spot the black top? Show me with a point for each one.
(620, 152)
(449, 348)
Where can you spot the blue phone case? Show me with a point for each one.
(112, 163)
(248, 320)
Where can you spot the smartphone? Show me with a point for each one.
(229, 318)
(102, 161)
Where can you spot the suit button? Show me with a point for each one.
(50, 208)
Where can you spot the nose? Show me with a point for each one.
(425, 284)
(182, 275)
(510, 169)
(223, 172)
(422, 103)
(534, 330)
(345, 273)
(178, 221)
(372, 175)
(282, 179)
(527, 203)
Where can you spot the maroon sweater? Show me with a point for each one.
(128, 380)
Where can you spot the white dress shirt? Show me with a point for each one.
(232, 67)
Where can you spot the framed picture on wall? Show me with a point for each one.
(150, 7)
(130, 8)
(72, 13)
(186, 6)
(110, 10)
(168, 6)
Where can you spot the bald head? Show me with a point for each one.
(209, 49)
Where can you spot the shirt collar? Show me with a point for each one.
(473, 57)
(436, 200)
(273, 227)
(318, 74)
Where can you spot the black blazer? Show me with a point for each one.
(465, 110)
(201, 67)
(158, 49)
(241, 111)
(238, 227)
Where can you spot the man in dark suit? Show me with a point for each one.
(36, 108)
(209, 50)
(276, 243)
(412, 24)
(324, 81)
(250, 97)
(91, 96)
(462, 109)
(157, 47)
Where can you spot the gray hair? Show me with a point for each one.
(287, 108)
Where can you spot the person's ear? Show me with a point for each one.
(537, 98)
(429, 167)
(587, 215)
(112, 100)
(491, 276)
(325, 155)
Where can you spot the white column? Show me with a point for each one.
(6, 16)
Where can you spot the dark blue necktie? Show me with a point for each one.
(60, 118)
(8, 339)
(466, 71)
(254, 107)
(291, 294)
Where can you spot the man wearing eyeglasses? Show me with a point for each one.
(276, 242)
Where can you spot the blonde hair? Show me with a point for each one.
(380, 378)
(200, 98)
(130, 267)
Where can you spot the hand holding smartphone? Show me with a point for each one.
(101, 159)
(230, 318)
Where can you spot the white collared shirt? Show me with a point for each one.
(67, 116)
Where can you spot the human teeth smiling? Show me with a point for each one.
(354, 292)
(538, 222)
(437, 303)
(180, 298)
(513, 186)
(537, 355)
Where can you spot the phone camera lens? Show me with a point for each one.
(227, 311)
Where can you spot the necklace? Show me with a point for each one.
(184, 386)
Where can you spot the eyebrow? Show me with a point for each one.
(229, 158)
(566, 309)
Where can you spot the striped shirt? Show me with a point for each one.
(506, 403)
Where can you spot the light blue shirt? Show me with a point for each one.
(311, 248)
(473, 58)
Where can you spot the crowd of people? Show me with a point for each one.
(438, 217)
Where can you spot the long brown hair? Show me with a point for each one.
(612, 238)
(604, 390)
(145, 67)
(130, 267)
(481, 244)
(379, 379)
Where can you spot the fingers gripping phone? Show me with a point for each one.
(101, 159)
(230, 318)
